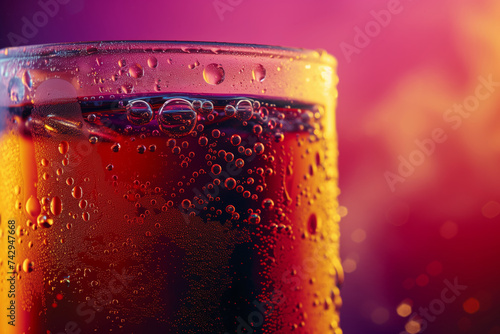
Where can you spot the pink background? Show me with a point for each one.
(442, 222)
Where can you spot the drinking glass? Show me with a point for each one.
(168, 187)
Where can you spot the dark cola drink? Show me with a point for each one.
(161, 210)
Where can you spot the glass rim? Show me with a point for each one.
(74, 49)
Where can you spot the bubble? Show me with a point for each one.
(235, 140)
(214, 74)
(77, 192)
(177, 117)
(239, 163)
(230, 209)
(28, 265)
(244, 110)
(93, 140)
(26, 79)
(91, 118)
(115, 147)
(136, 71)
(16, 90)
(268, 204)
(56, 206)
(207, 107)
(230, 183)
(139, 112)
(152, 62)
(33, 206)
(259, 73)
(203, 141)
(257, 129)
(230, 110)
(229, 157)
(141, 149)
(216, 169)
(254, 218)
(216, 133)
(44, 221)
(63, 147)
(186, 204)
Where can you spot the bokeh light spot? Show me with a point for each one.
(380, 315)
(422, 280)
(342, 211)
(404, 309)
(358, 236)
(349, 265)
(448, 230)
(471, 305)
(412, 327)
(434, 268)
(491, 209)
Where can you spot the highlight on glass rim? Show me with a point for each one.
(168, 187)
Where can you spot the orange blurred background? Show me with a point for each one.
(418, 123)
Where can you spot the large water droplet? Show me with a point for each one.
(28, 265)
(244, 110)
(177, 117)
(139, 112)
(55, 206)
(214, 74)
(136, 71)
(63, 147)
(27, 79)
(152, 62)
(259, 73)
(77, 192)
(16, 90)
(33, 206)
(44, 221)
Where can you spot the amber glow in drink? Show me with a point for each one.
(146, 201)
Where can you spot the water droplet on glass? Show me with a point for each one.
(27, 79)
(56, 206)
(63, 147)
(16, 90)
(28, 265)
(33, 206)
(77, 192)
(312, 224)
(152, 62)
(139, 112)
(259, 73)
(214, 74)
(244, 110)
(177, 117)
(44, 221)
(136, 71)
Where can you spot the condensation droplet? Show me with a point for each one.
(214, 74)
(139, 112)
(77, 192)
(136, 71)
(152, 62)
(27, 79)
(33, 206)
(44, 221)
(177, 117)
(259, 73)
(28, 265)
(63, 147)
(56, 206)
